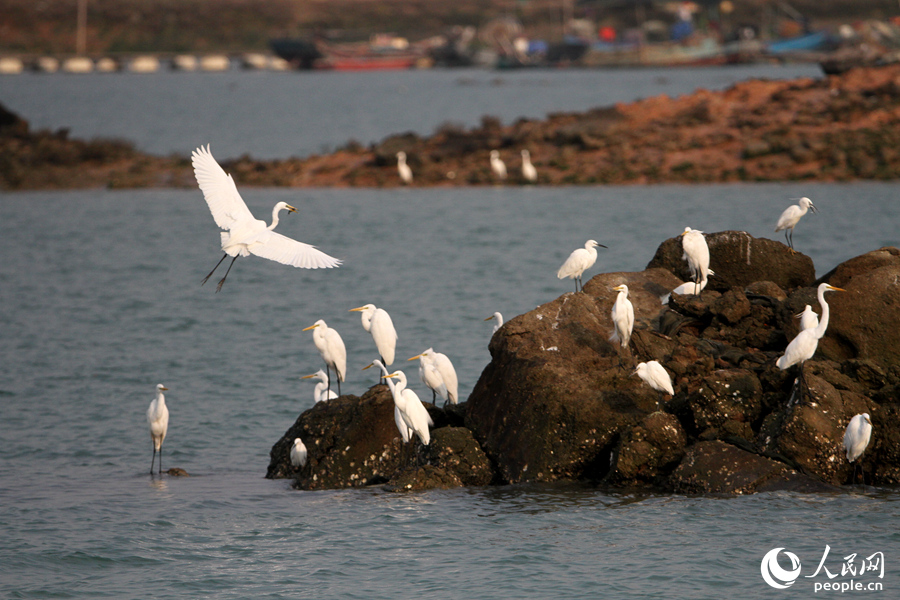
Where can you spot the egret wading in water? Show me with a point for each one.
(498, 167)
(696, 253)
(412, 411)
(438, 374)
(808, 318)
(791, 216)
(406, 175)
(247, 235)
(804, 345)
(158, 418)
(498, 318)
(578, 262)
(378, 322)
(331, 347)
(856, 439)
(656, 376)
(529, 173)
(688, 288)
(298, 454)
(622, 317)
(402, 427)
(322, 391)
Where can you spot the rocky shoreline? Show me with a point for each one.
(559, 401)
(839, 128)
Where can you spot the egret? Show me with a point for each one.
(330, 345)
(247, 235)
(405, 431)
(378, 322)
(808, 318)
(688, 288)
(529, 173)
(406, 175)
(578, 262)
(437, 373)
(791, 216)
(499, 321)
(322, 391)
(622, 317)
(856, 438)
(298, 453)
(158, 418)
(498, 167)
(413, 412)
(655, 375)
(696, 253)
(804, 345)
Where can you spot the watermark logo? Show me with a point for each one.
(773, 573)
(856, 574)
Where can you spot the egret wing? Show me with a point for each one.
(219, 190)
(280, 248)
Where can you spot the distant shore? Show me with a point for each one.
(839, 128)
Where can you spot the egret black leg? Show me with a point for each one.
(222, 282)
(160, 460)
(153, 460)
(214, 268)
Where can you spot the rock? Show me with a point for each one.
(177, 472)
(455, 450)
(727, 395)
(649, 451)
(428, 477)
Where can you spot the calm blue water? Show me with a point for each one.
(100, 301)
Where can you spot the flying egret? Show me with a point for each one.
(529, 173)
(696, 253)
(499, 321)
(322, 391)
(655, 375)
(330, 345)
(413, 412)
(437, 373)
(298, 454)
(158, 418)
(378, 322)
(405, 431)
(247, 235)
(688, 288)
(856, 438)
(791, 216)
(578, 262)
(498, 167)
(804, 345)
(808, 318)
(406, 175)
(622, 317)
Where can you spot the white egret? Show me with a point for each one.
(405, 431)
(158, 418)
(499, 321)
(330, 345)
(622, 317)
(298, 454)
(498, 167)
(696, 253)
(406, 175)
(247, 235)
(529, 173)
(808, 318)
(688, 288)
(322, 391)
(791, 216)
(656, 376)
(437, 373)
(378, 322)
(413, 412)
(578, 262)
(856, 438)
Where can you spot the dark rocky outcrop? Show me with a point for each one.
(559, 401)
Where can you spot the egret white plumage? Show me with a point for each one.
(622, 317)
(578, 262)
(378, 322)
(689, 288)
(158, 418)
(529, 173)
(808, 318)
(791, 216)
(402, 427)
(406, 175)
(437, 373)
(856, 438)
(414, 413)
(331, 347)
(696, 253)
(498, 167)
(322, 391)
(298, 454)
(656, 376)
(247, 235)
(498, 318)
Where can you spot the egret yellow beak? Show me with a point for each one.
(415, 357)
(309, 376)
(391, 375)
(290, 208)
(165, 389)
(357, 309)
(489, 318)
(311, 327)
(836, 289)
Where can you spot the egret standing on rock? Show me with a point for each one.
(622, 317)
(688, 288)
(808, 318)
(856, 438)
(413, 412)
(378, 322)
(158, 418)
(322, 391)
(498, 167)
(402, 427)
(578, 262)
(656, 376)
(499, 321)
(330, 345)
(791, 216)
(406, 175)
(696, 253)
(438, 374)
(247, 235)
(298, 454)
(529, 173)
